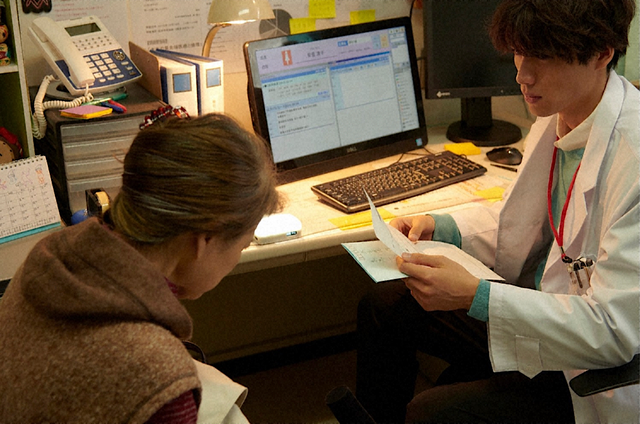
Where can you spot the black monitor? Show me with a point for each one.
(333, 98)
(461, 62)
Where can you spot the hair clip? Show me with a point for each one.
(162, 113)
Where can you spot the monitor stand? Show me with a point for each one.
(478, 127)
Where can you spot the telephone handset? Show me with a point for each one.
(83, 53)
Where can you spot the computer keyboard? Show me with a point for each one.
(397, 181)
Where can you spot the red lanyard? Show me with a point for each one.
(559, 234)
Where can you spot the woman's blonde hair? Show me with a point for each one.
(201, 175)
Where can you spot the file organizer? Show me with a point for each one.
(27, 201)
(88, 154)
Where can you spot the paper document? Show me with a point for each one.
(391, 237)
(378, 258)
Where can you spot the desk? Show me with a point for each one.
(14, 252)
(299, 290)
(320, 238)
(308, 288)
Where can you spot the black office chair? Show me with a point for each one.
(595, 381)
(195, 351)
(346, 408)
(588, 383)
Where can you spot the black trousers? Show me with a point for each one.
(392, 327)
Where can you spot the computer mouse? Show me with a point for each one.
(505, 155)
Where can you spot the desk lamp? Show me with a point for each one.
(223, 13)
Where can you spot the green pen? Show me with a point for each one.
(115, 97)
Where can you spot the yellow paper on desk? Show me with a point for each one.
(493, 194)
(463, 148)
(360, 219)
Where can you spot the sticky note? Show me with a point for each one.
(360, 219)
(463, 148)
(85, 111)
(322, 9)
(362, 16)
(493, 194)
(299, 25)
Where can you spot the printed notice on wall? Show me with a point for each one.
(182, 25)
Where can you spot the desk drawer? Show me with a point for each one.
(94, 167)
(90, 130)
(97, 148)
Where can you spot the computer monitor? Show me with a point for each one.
(461, 62)
(333, 98)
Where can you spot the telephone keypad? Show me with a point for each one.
(110, 66)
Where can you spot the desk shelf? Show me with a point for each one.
(15, 114)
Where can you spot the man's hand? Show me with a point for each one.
(415, 227)
(438, 283)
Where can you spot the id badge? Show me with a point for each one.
(580, 273)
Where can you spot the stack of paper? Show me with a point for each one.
(85, 111)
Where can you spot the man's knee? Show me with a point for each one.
(378, 304)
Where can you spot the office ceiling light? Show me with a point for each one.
(228, 12)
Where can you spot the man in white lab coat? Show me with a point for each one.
(575, 205)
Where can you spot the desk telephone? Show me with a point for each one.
(83, 53)
(85, 57)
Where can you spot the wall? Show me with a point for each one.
(631, 68)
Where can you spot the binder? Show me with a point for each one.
(171, 79)
(27, 200)
(179, 86)
(209, 79)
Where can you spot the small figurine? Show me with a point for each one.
(10, 147)
(5, 54)
(4, 30)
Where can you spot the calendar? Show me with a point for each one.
(27, 199)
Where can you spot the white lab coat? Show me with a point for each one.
(531, 330)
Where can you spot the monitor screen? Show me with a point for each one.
(461, 62)
(333, 98)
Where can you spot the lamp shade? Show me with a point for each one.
(236, 11)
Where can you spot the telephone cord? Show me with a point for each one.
(39, 122)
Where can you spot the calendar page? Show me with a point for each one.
(27, 199)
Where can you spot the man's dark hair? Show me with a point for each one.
(567, 29)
